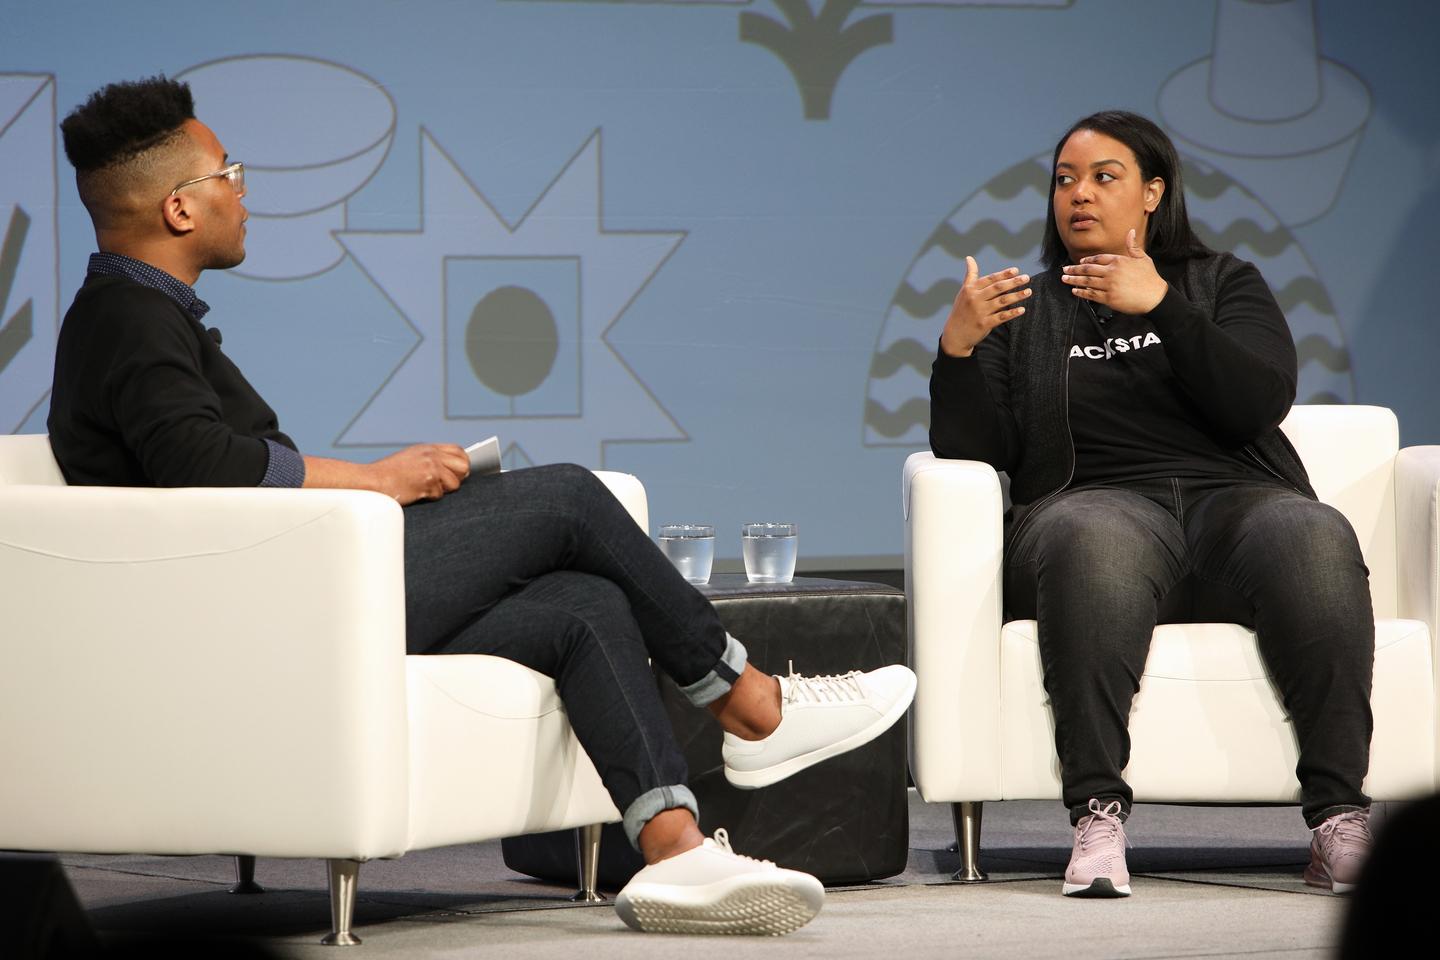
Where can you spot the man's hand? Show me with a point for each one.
(982, 304)
(1125, 284)
(426, 471)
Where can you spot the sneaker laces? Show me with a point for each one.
(834, 689)
(1351, 826)
(722, 840)
(1102, 826)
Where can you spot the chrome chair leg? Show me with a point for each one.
(344, 876)
(245, 876)
(967, 841)
(587, 856)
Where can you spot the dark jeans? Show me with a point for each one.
(1099, 566)
(546, 568)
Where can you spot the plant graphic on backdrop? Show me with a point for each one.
(816, 49)
(20, 327)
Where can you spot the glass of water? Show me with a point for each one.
(691, 547)
(770, 550)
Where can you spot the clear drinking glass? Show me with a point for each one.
(770, 550)
(691, 547)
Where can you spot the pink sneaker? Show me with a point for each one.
(1338, 851)
(1097, 862)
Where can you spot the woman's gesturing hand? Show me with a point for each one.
(1125, 284)
(982, 304)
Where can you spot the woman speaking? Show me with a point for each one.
(1133, 393)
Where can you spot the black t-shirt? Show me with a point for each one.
(1222, 377)
(1129, 417)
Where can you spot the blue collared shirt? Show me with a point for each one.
(286, 467)
(153, 277)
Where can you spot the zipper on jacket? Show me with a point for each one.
(1254, 454)
(1065, 409)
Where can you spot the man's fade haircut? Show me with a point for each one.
(125, 119)
(1168, 235)
(129, 146)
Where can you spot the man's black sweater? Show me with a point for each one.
(144, 397)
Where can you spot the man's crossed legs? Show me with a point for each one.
(546, 568)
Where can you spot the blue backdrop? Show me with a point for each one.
(712, 243)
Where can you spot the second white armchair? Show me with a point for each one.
(1207, 724)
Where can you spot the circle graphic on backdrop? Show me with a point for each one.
(511, 340)
(1001, 225)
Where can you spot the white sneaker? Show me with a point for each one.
(713, 889)
(820, 717)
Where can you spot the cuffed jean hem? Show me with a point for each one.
(1315, 819)
(656, 801)
(718, 681)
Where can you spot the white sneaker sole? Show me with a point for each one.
(763, 777)
(755, 904)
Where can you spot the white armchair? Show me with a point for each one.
(223, 671)
(1207, 725)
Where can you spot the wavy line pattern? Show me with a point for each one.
(902, 353)
(1205, 186)
(1304, 290)
(1322, 351)
(1326, 364)
(986, 233)
(1028, 173)
(913, 412)
(923, 306)
(1266, 243)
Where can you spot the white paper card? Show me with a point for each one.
(484, 457)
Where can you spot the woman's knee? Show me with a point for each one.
(1300, 564)
(1305, 541)
(1093, 539)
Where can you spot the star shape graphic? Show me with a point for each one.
(566, 221)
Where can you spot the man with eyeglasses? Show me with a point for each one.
(541, 566)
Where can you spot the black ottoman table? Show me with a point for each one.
(845, 820)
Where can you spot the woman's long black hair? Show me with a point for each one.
(1168, 237)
